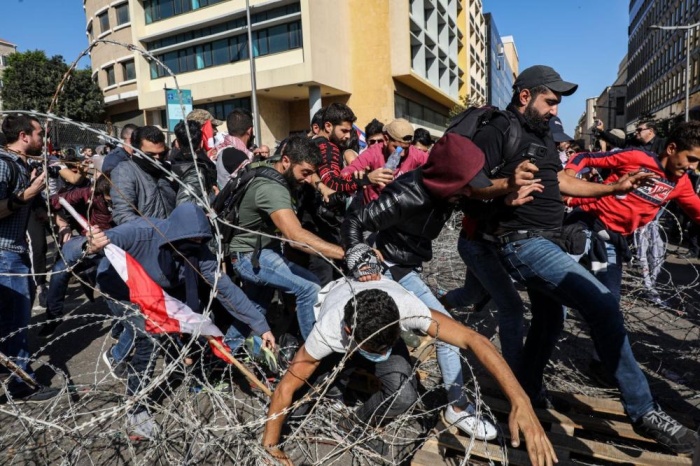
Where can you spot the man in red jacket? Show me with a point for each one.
(622, 215)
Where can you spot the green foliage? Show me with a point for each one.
(466, 102)
(31, 79)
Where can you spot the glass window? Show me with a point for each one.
(220, 52)
(89, 31)
(104, 22)
(122, 13)
(278, 38)
(111, 81)
(129, 70)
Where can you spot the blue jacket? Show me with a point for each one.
(143, 238)
(113, 159)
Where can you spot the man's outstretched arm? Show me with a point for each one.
(300, 369)
(522, 417)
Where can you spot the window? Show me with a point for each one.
(104, 22)
(3, 60)
(111, 81)
(224, 51)
(89, 31)
(620, 106)
(129, 70)
(162, 9)
(122, 13)
(221, 109)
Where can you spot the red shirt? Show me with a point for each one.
(625, 213)
(374, 158)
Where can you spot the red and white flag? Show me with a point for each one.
(164, 314)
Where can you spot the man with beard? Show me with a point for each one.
(334, 132)
(529, 239)
(233, 153)
(139, 185)
(18, 188)
(266, 210)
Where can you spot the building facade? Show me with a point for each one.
(511, 55)
(385, 58)
(500, 76)
(6, 48)
(657, 58)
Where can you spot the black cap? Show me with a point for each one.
(557, 129)
(540, 75)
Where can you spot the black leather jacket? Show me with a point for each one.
(407, 218)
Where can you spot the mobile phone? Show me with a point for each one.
(535, 152)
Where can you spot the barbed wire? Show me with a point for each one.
(208, 414)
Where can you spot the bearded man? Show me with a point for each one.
(268, 207)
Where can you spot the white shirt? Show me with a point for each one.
(328, 335)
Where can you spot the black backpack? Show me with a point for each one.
(14, 173)
(228, 202)
(472, 120)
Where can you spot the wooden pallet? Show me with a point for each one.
(595, 429)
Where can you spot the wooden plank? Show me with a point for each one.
(569, 422)
(425, 458)
(564, 443)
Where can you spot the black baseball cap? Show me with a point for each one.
(541, 75)
(557, 129)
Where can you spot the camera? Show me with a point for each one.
(39, 167)
(535, 152)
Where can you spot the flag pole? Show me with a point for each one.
(249, 375)
(7, 362)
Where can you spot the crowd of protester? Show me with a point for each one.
(538, 210)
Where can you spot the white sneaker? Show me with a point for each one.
(467, 421)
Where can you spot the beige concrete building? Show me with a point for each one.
(384, 58)
(511, 54)
(6, 48)
(477, 43)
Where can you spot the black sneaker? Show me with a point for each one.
(48, 328)
(666, 431)
(118, 370)
(35, 395)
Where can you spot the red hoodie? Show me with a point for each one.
(624, 214)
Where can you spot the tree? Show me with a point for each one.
(467, 101)
(30, 82)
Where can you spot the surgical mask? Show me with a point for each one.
(374, 357)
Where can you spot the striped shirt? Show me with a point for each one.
(13, 228)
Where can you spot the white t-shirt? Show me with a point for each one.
(328, 335)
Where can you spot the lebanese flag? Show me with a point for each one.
(164, 314)
(207, 135)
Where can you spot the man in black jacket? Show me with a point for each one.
(408, 215)
(529, 241)
(645, 137)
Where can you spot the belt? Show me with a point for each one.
(520, 235)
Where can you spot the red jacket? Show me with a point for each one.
(99, 213)
(624, 214)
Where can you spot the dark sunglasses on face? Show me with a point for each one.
(371, 142)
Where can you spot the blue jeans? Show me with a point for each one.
(275, 272)
(16, 298)
(448, 356)
(131, 321)
(485, 274)
(553, 278)
(60, 277)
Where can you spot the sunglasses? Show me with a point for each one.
(639, 130)
(374, 141)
